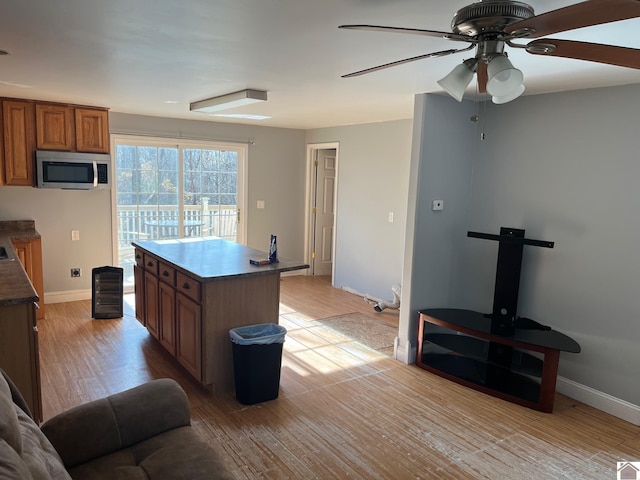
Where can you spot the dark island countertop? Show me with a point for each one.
(15, 286)
(212, 258)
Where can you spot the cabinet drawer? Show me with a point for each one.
(187, 285)
(139, 258)
(150, 264)
(166, 273)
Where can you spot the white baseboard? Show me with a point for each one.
(404, 353)
(67, 296)
(600, 400)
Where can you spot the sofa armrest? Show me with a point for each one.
(104, 426)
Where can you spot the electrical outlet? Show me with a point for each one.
(76, 272)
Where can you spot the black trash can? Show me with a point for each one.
(257, 358)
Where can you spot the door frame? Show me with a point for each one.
(312, 149)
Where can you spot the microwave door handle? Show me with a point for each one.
(95, 174)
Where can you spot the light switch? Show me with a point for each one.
(390, 217)
(260, 204)
(75, 235)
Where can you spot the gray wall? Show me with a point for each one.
(441, 169)
(564, 167)
(373, 177)
(56, 213)
(276, 174)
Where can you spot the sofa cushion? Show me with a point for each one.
(25, 453)
(9, 426)
(11, 465)
(118, 421)
(41, 459)
(174, 455)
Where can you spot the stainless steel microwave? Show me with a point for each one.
(76, 171)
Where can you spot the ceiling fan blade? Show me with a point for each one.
(584, 14)
(414, 31)
(592, 52)
(406, 60)
(483, 77)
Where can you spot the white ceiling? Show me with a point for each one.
(135, 55)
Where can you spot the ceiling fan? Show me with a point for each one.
(489, 25)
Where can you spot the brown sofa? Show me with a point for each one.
(141, 433)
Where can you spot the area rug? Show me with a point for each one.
(364, 329)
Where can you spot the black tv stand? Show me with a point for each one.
(458, 344)
(492, 352)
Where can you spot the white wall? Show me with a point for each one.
(565, 167)
(373, 177)
(276, 174)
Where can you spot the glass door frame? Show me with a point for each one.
(180, 144)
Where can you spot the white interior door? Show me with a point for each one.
(323, 211)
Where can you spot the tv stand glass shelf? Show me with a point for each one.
(522, 368)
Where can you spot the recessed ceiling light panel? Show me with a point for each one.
(231, 100)
(246, 116)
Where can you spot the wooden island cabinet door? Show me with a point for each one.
(138, 275)
(189, 335)
(151, 304)
(166, 303)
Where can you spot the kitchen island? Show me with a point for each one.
(190, 292)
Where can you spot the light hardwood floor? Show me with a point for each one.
(344, 411)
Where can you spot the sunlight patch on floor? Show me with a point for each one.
(311, 348)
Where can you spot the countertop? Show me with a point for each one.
(212, 258)
(15, 286)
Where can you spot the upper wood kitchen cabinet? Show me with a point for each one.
(30, 125)
(18, 138)
(92, 130)
(54, 127)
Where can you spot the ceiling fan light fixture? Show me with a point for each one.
(503, 77)
(507, 98)
(457, 81)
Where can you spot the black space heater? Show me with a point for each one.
(107, 292)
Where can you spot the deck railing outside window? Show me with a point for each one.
(159, 222)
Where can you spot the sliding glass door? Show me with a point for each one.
(166, 190)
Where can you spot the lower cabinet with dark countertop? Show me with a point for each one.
(20, 272)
